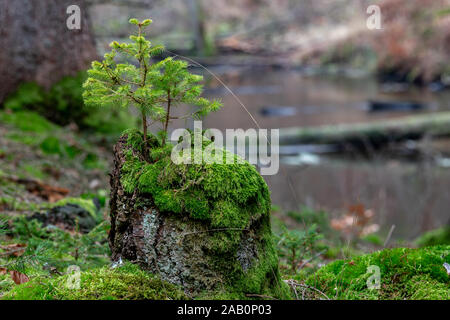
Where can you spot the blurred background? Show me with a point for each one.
(364, 113)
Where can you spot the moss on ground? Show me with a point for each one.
(404, 274)
(435, 237)
(127, 282)
(28, 121)
(86, 204)
(52, 246)
(32, 129)
(63, 104)
(6, 283)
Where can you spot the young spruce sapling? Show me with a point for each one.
(154, 88)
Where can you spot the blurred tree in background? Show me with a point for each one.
(36, 44)
(412, 44)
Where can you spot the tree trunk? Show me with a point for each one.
(181, 250)
(36, 44)
(198, 25)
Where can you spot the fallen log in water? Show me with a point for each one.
(374, 135)
(388, 106)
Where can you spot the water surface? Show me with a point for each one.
(412, 195)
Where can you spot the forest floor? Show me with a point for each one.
(54, 192)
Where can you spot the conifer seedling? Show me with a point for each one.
(127, 77)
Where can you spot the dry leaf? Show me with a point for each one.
(18, 277)
(38, 188)
(3, 271)
(15, 249)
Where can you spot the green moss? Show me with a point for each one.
(51, 145)
(63, 104)
(127, 282)
(12, 203)
(426, 288)
(28, 121)
(226, 195)
(435, 237)
(64, 101)
(404, 274)
(101, 195)
(34, 171)
(111, 123)
(262, 279)
(6, 283)
(53, 246)
(27, 94)
(223, 201)
(30, 128)
(373, 239)
(86, 204)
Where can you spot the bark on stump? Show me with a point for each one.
(181, 250)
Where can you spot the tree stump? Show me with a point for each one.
(199, 247)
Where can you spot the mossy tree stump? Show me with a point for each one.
(204, 227)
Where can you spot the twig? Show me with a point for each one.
(312, 258)
(294, 284)
(389, 235)
(296, 294)
(11, 252)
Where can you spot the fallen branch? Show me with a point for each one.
(294, 284)
(377, 134)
